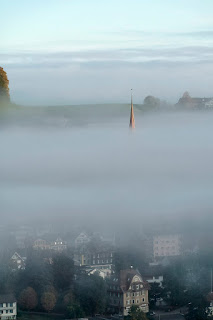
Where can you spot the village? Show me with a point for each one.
(60, 272)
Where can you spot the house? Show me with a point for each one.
(8, 307)
(126, 289)
(17, 262)
(41, 244)
(167, 245)
(188, 102)
(102, 258)
(154, 274)
(59, 245)
(81, 239)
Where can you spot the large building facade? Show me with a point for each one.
(127, 289)
(166, 245)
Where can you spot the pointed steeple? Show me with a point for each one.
(132, 118)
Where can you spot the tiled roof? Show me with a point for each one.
(7, 298)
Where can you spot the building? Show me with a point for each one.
(59, 245)
(188, 102)
(8, 307)
(41, 244)
(17, 262)
(102, 258)
(81, 239)
(127, 289)
(166, 245)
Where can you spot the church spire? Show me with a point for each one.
(132, 118)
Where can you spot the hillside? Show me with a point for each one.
(66, 115)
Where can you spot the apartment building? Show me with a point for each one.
(167, 245)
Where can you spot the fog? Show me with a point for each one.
(104, 175)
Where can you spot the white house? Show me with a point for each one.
(8, 307)
(59, 245)
(154, 279)
(17, 262)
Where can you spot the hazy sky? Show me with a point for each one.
(79, 51)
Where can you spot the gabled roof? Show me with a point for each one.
(16, 255)
(7, 298)
(126, 277)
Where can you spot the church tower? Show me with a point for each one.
(132, 118)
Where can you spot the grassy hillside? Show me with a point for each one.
(66, 115)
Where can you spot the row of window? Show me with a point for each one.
(6, 305)
(115, 287)
(134, 301)
(102, 261)
(167, 241)
(136, 287)
(135, 294)
(165, 248)
(103, 255)
(114, 294)
(6, 311)
(166, 254)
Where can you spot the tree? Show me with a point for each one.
(68, 299)
(4, 85)
(48, 300)
(151, 102)
(74, 311)
(63, 271)
(28, 299)
(198, 308)
(91, 292)
(135, 313)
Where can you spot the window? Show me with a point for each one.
(127, 294)
(93, 262)
(137, 286)
(11, 304)
(11, 311)
(143, 299)
(127, 301)
(1, 305)
(133, 301)
(98, 261)
(137, 294)
(137, 301)
(133, 294)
